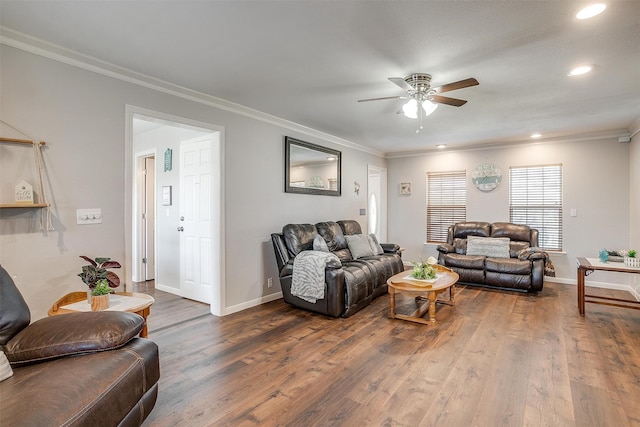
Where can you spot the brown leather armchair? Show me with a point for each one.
(77, 369)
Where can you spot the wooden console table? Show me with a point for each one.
(586, 267)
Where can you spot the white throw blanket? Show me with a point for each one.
(308, 274)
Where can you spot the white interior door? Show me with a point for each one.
(195, 225)
(148, 219)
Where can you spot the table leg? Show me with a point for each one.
(144, 313)
(392, 303)
(582, 272)
(432, 306)
(452, 294)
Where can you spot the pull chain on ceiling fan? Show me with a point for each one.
(422, 96)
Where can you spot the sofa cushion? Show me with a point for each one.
(463, 229)
(72, 333)
(98, 389)
(299, 237)
(359, 245)
(460, 246)
(319, 244)
(516, 247)
(517, 232)
(332, 234)
(5, 368)
(488, 246)
(475, 262)
(508, 266)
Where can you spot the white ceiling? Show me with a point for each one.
(310, 61)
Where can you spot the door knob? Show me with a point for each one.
(180, 228)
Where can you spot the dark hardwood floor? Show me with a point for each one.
(496, 358)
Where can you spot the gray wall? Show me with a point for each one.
(81, 116)
(596, 182)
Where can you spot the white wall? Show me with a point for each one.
(634, 190)
(81, 116)
(595, 181)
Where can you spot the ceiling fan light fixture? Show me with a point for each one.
(410, 109)
(428, 107)
(591, 11)
(578, 71)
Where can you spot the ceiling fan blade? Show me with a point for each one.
(446, 100)
(379, 99)
(456, 85)
(402, 83)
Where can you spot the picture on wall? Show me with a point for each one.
(405, 188)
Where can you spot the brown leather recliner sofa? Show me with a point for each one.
(348, 287)
(517, 265)
(77, 369)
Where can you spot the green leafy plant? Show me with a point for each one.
(423, 270)
(632, 253)
(97, 270)
(101, 288)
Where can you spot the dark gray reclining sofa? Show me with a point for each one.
(348, 288)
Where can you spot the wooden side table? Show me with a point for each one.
(132, 302)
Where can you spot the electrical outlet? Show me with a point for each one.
(269, 282)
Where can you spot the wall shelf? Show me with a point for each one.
(23, 205)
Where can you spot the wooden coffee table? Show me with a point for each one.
(132, 302)
(402, 283)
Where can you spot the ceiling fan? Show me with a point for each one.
(422, 96)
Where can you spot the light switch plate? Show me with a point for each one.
(89, 216)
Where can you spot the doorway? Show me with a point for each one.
(156, 141)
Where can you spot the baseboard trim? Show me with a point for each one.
(604, 285)
(253, 303)
(169, 289)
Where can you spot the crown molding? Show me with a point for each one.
(26, 43)
(606, 135)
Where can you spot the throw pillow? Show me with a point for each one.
(359, 245)
(5, 368)
(375, 246)
(71, 334)
(319, 244)
(494, 247)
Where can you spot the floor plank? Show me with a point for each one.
(495, 358)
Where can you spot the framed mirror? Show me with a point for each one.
(311, 169)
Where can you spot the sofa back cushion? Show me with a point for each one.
(14, 311)
(334, 237)
(350, 226)
(299, 237)
(463, 229)
(517, 232)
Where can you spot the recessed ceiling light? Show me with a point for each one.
(441, 146)
(591, 11)
(584, 69)
(536, 135)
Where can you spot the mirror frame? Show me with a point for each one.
(288, 142)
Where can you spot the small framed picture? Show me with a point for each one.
(405, 188)
(166, 195)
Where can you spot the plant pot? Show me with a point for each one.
(631, 262)
(99, 302)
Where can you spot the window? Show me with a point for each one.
(446, 202)
(535, 199)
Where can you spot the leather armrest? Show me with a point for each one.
(71, 334)
(446, 248)
(390, 248)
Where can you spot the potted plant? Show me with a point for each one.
(424, 270)
(630, 259)
(100, 295)
(96, 271)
